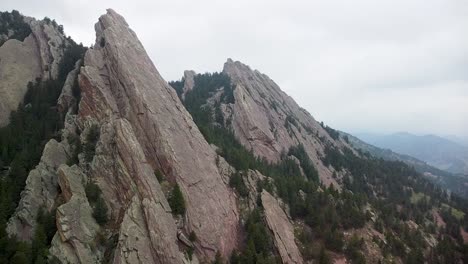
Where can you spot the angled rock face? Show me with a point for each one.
(50, 44)
(268, 121)
(282, 229)
(39, 55)
(19, 64)
(144, 127)
(134, 195)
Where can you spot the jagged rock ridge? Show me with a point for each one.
(132, 126)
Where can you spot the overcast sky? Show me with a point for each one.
(359, 66)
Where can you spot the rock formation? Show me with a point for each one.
(189, 82)
(128, 144)
(38, 56)
(51, 43)
(282, 229)
(268, 121)
(76, 228)
(145, 127)
(40, 191)
(19, 64)
(42, 184)
(142, 127)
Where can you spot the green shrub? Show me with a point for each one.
(92, 192)
(100, 211)
(193, 236)
(94, 195)
(91, 140)
(159, 175)
(237, 183)
(75, 143)
(176, 201)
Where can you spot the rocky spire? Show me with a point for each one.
(125, 94)
(189, 83)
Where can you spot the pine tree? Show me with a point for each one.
(176, 201)
(100, 211)
(323, 257)
(19, 258)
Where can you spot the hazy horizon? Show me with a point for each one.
(380, 67)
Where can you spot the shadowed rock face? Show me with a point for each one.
(144, 127)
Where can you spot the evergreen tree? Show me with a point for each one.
(176, 201)
(100, 211)
(323, 257)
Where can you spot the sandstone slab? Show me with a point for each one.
(282, 229)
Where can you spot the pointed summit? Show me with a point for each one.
(125, 94)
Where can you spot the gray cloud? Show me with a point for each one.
(364, 65)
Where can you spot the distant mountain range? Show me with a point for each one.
(443, 153)
(459, 140)
(457, 183)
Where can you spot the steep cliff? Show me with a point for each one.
(122, 90)
(22, 61)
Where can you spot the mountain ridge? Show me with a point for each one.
(215, 168)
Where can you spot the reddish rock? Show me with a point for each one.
(124, 93)
(268, 121)
(282, 229)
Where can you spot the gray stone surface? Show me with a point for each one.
(50, 44)
(189, 83)
(38, 55)
(66, 99)
(76, 227)
(19, 64)
(40, 191)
